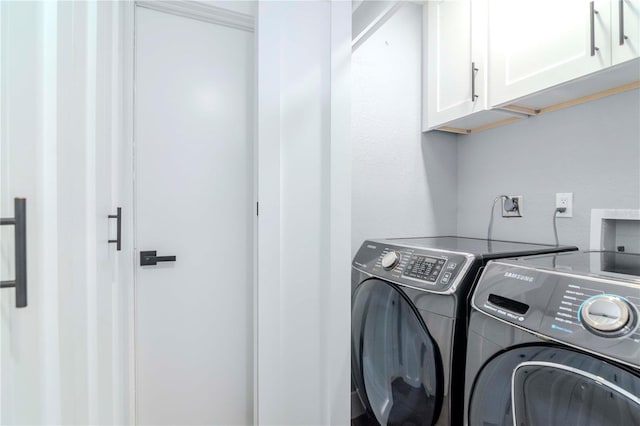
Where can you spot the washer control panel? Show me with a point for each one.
(426, 268)
(597, 315)
(600, 311)
(432, 270)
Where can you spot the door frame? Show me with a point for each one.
(126, 176)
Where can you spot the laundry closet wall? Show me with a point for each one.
(591, 149)
(404, 181)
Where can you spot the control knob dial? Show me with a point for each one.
(605, 313)
(390, 260)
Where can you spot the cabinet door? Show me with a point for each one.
(625, 30)
(449, 56)
(534, 45)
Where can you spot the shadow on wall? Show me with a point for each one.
(439, 155)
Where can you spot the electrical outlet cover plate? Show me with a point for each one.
(565, 199)
(513, 213)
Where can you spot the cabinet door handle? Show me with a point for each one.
(592, 18)
(474, 72)
(20, 238)
(621, 35)
(118, 240)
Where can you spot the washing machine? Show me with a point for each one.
(409, 306)
(554, 340)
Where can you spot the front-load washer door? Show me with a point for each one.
(542, 385)
(396, 365)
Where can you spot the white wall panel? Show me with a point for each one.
(303, 278)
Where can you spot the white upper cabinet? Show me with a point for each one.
(490, 62)
(454, 60)
(537, 45)
(625, 30)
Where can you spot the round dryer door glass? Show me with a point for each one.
(395, 363)
(537, 385)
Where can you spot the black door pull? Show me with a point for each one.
(118, 240)
(20, 238)
(148, 258)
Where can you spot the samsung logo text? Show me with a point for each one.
(518, 277)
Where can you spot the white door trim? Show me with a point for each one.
(202, 12)
(198, 11)
(126, 268)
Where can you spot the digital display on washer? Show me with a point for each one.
(424, 268)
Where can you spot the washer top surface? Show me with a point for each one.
(606, 264)
(486, 249)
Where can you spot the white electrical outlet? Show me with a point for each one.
(564, 200)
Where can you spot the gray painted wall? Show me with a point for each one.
(404, 182)
(592, 150)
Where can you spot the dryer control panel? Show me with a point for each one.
(430, 270)
(596, 315)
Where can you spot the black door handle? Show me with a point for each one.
(118, 240)
(149, 258)
(20, 238)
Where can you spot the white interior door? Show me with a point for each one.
(194, 200)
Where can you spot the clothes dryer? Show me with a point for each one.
(409, 306)
(554, 340)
